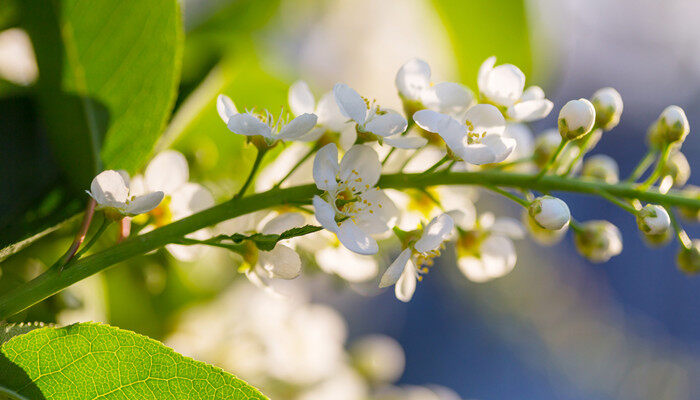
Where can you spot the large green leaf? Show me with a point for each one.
(90, 361)
(108, 77)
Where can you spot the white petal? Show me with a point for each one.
(387, 124)
(348, 137)
(248, 125)
(298, 126)
(406, 142)
(352, 237)
(127, 180)
(225, 108)
(326, 167)
(311, 136)
(509, 227)
(361, 163)
(167, 172)
(137, 186)
(530, 110)
(449, 98)
(406, 285)
(325, 214)
(473, 268)
(477, 154)
(501, 146)
(383, 215)
(484, 71)
(498, 255)
(329, 115)
(350, 103)
(346, 264)
(189, 199)
(282, 223)
(393, 273)
(504, 84)
(412, 78)
(532, 93)
(486, 118)
(281, 262)
(109, 189)
(451, 131)
(300, 98)
(436, 232)
(464, 218)
(145, 203)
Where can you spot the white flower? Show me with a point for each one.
(379, 357)
(351, 207)
(409, 265)
(503, 85)
(478, 140)
(576, 118)
(346, 264)
(370, 119)
(598, 240)
(169, 173)
(265, 125)
(110, 189)
(524, 146)
(653, 219)
(414, 85)
(675, 124)
(485, 250)
(330, 120)
(608, 107)
(550, 212)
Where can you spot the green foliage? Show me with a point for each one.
(267, 242)
(90, 361)
(8, 331)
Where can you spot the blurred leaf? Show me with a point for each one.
(8, 14)
(90, 361)
(480, 29)
(8, 331)
(108, 75)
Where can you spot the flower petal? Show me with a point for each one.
(501, 146)
(473, 268)
(325, 214)
(145, 203)
(346, 264)
(532, 93)
(379, 215)
(360, 167)
(329, 115)
(503, 84)
(406, 285)
(109, 189)
(300, 98)
(386, 124)
(451, 131)
(352, 237)
(509, 227)
(225, 108)
(167, 172)
(281, 262)
(282, 223)
(477, 154)
(530, 110)
(484, 71)
(248, 125)
(436, 232)
(298, 127)
(393, 273)
(498, 255)
(449, 98)
(406, 142)
(486, 118)
(350, 103)
(326, 167)
(189, 199)
(412, 78)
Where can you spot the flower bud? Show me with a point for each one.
(379, 358)
(653, 219)
(691, 213)
(550, 212)
(689, 259)
(655, 135)
(545, 146)
(545, 237)
(677, 168)
(576, 119)
(674, 124)
(608, 107)
(598, 241)
(659, 239)
(601, 167)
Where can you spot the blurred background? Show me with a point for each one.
(557, 327)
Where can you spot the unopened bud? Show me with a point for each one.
(689, 258)
(677, 168)
(550, 212)
(601, 167)
(658, 239)
(653, 219)
(576, 119)
(608, 107)
(598, 241)
(674, 124)
(379, 358)
(691, 213)
(545, 237)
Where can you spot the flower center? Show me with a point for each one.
(473, 137)
(162, 215)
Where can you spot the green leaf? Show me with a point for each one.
(8, 331)
(108, 77)
(89, 361)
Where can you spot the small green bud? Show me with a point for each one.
(545, 237)
(658, 239)
(576, 119)
(550, 212)
(691, 213)
(689, 259)
(653, 219)
(677, 168)
(674, 124)
(598, 241)
(608, 107)
(601, 167)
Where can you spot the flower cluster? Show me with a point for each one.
(447, 129)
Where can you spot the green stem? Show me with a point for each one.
(408, 160)
(624, 205)
(682, 236)
(551, 160)
(575, 226)
(659, 168)
(643, 165)
(296, 166)
(509, 195)
(93, 239)
(52, 281)
(583, 149)
(511, 163)
(388, 155)
(11, 394)
(256, 165)
(437, 164)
